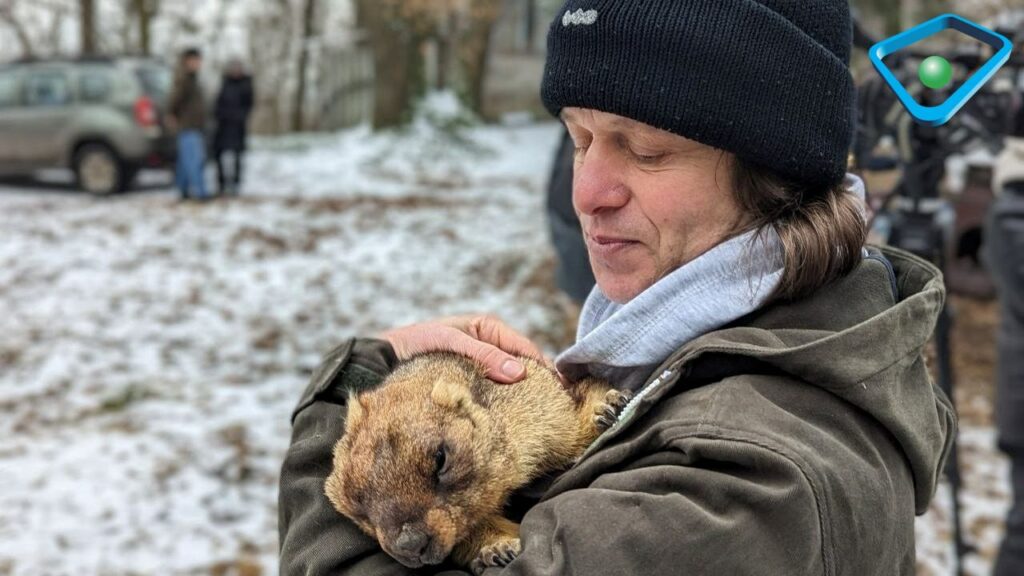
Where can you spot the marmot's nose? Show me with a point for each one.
(412, 542)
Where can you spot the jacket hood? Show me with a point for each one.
(860, 338)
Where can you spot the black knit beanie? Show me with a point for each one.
(767, 80)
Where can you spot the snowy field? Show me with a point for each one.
(151, 350)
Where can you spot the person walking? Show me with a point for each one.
(234, 103)
(187, 115)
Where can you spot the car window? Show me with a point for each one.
(10, 93)
(46, 89)
(94, 85)
(155, 80)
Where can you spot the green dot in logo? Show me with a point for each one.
(935, 72)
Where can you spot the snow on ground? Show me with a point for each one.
(151, 350)
(984, 499)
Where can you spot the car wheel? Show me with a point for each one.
(98, 170)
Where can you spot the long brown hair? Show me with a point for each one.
(822, 228)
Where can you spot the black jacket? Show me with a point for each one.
(232, 112)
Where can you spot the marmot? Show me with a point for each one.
(429, 458)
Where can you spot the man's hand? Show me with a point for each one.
(485, 339)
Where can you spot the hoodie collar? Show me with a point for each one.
(623, 343)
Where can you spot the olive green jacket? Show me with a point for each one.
(187, 103)
(801, 439)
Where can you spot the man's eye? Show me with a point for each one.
(648, 158)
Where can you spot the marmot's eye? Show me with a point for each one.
(441, 461)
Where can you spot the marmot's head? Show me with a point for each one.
(415, 466)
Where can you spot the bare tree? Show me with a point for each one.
(445, 49)
(273, 26)
(56, 26)
(396, 32)
(301, 72)
(531, 25)
(144, 12)
(8, 17)
(87, 19)
(475, 49)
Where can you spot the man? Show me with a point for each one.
(187, 115)
(783, 420)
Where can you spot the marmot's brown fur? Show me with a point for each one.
(429, 458)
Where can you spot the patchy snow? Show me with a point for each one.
(151, 350)
(984, 499)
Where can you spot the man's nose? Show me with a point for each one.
(412, 542)
(597, 182)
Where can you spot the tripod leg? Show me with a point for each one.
(944, 356)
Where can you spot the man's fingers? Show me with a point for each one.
(493, 331)
(497, 364)
(483, 338)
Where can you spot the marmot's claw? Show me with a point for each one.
(499, 554)
(607, 413)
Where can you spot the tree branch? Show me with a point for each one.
(8, 17)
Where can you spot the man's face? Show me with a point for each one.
(649, 201)
(192, 63)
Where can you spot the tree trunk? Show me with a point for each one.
(398, 75)
(299, 110)
(87, 14)
(531, 26)
(474, 50)
(398, 63)
(445, 39)
(144, 11)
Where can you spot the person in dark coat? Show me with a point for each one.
(572, 273)
(1004, 237)
(234, 103)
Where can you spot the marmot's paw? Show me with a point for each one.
(499, 554)
(606, 413)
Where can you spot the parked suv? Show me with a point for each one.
(100, 117)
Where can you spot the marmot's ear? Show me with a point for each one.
(334, 488)
(356, 410)
(451, 395)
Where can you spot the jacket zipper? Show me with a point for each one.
(627, 413)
